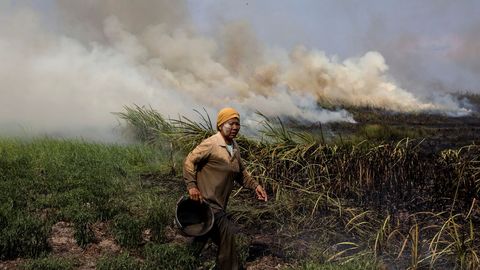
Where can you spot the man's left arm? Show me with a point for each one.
(246, 180)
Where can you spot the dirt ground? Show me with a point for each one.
(63, 245)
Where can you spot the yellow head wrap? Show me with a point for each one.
(226, 114)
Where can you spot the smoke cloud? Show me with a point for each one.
(65, 73)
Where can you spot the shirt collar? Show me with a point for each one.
(221, 141)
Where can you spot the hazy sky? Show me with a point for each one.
(429, 45)
(66, 65)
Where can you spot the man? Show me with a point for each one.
(209, 173)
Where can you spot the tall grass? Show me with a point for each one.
(43, 181)
(391, 198)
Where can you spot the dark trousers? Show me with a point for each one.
(223, 235)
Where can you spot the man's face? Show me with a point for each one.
(230, 128)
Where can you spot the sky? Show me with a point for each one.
(67, 66)
(429, 45)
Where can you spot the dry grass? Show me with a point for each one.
(393, 201)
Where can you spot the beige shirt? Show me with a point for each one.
(211, 169)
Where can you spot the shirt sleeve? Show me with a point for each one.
(199, 154)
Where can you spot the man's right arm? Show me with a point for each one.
(199, 154)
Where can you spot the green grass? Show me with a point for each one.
(43, 181)
(168, 257)
(123, 261)
(22, 234)
(127, 230)
(49, 263)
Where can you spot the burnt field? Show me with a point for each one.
(438, 131)
(373, 193)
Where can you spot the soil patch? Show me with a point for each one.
(63, 244)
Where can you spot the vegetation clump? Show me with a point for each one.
(123, 261)
(49, 263)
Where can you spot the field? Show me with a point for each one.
(374, 195)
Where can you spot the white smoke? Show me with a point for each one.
(56, 85)
(68, 79)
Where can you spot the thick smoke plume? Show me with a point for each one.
(66, 72)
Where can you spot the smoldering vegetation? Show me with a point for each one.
(390, 201)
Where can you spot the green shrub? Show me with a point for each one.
(127, 230)
(49, 263)
(73, 181)
(168, 257)
(110, 208)
(22, 235)
(14, 167)
(83, 221)
(120, 262)
(158, 218)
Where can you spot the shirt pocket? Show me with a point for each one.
(235, 165)
(220, 160)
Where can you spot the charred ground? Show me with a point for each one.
(436, 130)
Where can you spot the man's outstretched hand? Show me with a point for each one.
(261, 194)
(195, 194)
